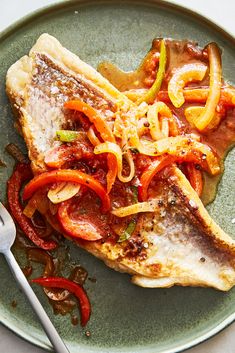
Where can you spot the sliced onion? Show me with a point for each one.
(131, 163)
(154, 123)
(92, 136)
(158, 108)
(135, 94)
(30, 208)
(149, 206)
(56, 294)
(165, 127)
(143, 126)
(181, 146)
(42, 203)
(37, 202)
(62, 192)
(41, 256)
(183, 75)
(44, 229)
(130, 129)
(109, 147)
(143, 146)
(118, 125)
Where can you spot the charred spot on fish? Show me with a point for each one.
(146, 124)
(172, 202)
(135, 248)
(204, 156)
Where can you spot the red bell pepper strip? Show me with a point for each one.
(101, 125)
(75, 176)
(72, 287)
(105, 132)
(195, 178)
(22, 173)
(156, 165)
(80, 227)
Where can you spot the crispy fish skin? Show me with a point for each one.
(177, 245)
(39, 84)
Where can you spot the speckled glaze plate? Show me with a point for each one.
(125, 318)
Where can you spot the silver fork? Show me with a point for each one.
(7, 237)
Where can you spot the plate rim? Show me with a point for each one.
(23, 21)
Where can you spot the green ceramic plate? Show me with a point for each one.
(125, 318)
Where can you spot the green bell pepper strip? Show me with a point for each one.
(151, 94)
(128, 231)
(69, 135)
(131, 226)
(135, 193)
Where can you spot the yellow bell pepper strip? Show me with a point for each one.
(209, 112)
(200, 95)
(183, 75)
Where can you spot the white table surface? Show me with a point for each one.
(221, 12)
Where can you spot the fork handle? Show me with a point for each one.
(50, 330)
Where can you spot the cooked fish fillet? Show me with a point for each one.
(40, 83)
(180, 243)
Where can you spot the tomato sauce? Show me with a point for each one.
(179, 53)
